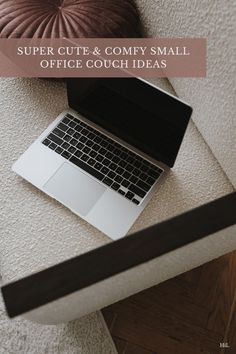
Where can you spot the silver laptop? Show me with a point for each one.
(105, 156)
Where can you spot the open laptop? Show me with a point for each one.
(105, 156)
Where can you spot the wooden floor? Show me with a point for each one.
(191, 314)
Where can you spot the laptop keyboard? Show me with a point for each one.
(114, 165)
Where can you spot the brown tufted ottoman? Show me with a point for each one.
(68, 18)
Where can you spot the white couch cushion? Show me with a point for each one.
(39, 232)
(213, 98)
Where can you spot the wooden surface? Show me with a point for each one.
(190, 314)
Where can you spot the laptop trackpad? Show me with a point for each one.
(75, 189)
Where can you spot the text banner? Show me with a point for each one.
(146, 57)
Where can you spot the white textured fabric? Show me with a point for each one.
(84, 336)
(39, 232)
(28, 227)
(213, 98)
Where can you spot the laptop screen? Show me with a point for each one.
(138, 113)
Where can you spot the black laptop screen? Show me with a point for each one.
(135, 111)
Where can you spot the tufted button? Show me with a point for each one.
(68, 18)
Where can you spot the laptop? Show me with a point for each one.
(106, 155)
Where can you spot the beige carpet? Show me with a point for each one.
(88, 335)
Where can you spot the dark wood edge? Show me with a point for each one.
(106, 261)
